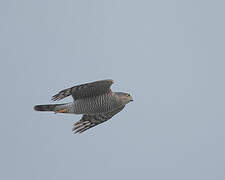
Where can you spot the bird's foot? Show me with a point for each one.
(61, 111)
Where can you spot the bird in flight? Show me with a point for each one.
(95, 101)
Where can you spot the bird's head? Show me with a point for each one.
(124, 97)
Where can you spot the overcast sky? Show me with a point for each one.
(169, 55)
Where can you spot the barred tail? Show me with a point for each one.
(47, 107)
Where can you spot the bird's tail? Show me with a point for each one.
(50, 107)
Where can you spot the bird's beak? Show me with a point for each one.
(131, 99)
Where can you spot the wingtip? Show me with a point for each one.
(53, 98)
(56, 97)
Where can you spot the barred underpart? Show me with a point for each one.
(96, 105)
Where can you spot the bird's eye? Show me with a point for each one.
(128, 95)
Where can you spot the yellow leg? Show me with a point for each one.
(61, 111)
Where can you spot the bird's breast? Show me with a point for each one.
(94, 105)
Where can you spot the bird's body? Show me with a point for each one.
(94, 100)
(99, 104)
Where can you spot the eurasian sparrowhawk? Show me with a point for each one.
(94, 100)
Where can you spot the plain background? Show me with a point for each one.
(168, 54)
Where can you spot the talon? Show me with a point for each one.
(61, 111)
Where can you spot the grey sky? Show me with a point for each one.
(168, 54)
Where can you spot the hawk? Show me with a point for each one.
(95, 101)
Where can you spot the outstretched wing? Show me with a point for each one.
(89, 121)
(85, 90)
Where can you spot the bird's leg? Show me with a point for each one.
(61, 111)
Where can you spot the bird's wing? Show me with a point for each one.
(85, 90)
(89, 121)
